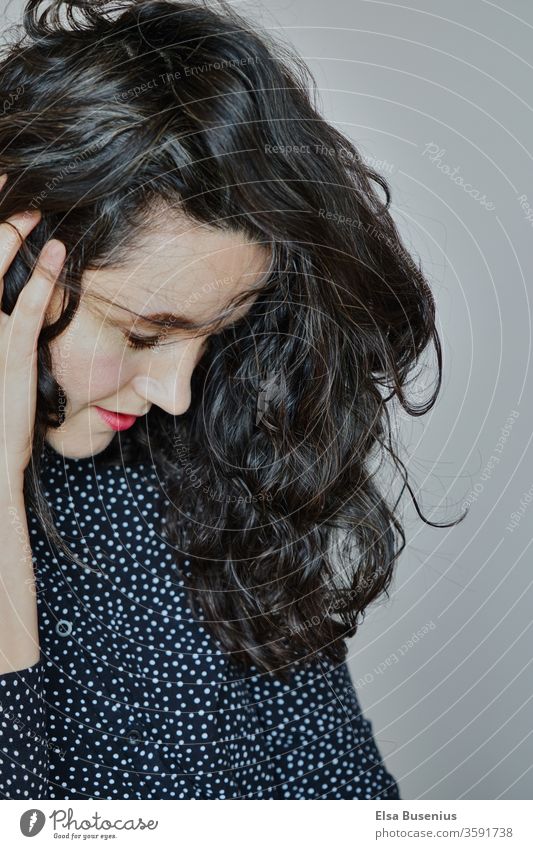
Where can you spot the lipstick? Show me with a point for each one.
(116, 421)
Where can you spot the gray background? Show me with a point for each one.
(451, 711)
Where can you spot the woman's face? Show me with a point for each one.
(179, 268)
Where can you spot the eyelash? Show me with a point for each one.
(138, 343)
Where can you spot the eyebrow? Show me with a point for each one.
(173, 320)
(180, 322)
(177, 321)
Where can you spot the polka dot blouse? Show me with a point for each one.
(133, 698)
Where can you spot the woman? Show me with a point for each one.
(206, 313)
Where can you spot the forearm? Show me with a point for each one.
(19, 634)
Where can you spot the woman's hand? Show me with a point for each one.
(19, 333)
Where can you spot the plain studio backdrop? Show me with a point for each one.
(437, 96)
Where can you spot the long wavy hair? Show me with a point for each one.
(114, 110)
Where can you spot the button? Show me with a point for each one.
(64, 627)
(134, 735)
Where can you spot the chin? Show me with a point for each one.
(78, 449)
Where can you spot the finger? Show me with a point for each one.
(13, 231)
(32, 301)
(10, 239)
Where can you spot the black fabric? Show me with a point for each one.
(134, 699)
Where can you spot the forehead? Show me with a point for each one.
(179, 265)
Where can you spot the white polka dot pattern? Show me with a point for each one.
(134, 699)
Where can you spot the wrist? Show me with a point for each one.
(11, 488)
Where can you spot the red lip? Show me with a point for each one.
(117, 421)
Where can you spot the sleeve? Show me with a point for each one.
(320, 745)
(23, 748)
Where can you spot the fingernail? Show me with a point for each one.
(54, 252)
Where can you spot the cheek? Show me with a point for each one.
(86, 372)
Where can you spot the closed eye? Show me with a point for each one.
(142, 341)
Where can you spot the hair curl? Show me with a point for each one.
(115, 109)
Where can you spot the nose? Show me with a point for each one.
(165, 379)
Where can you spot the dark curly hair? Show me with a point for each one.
(114, 110)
